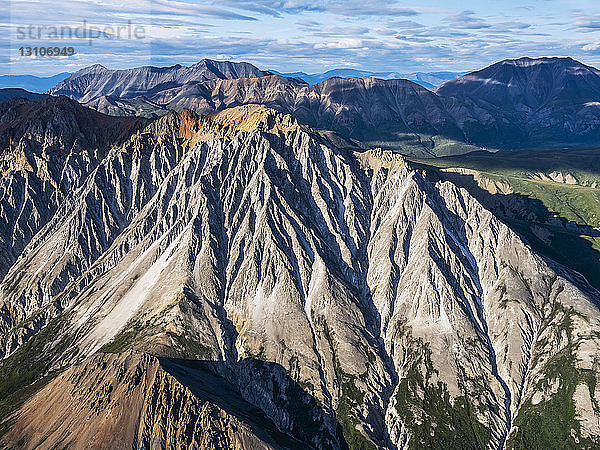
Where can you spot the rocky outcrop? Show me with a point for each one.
(47, 148)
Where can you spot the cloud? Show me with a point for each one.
(408, 24)
(342, 44)
(274, 7)
(467, 20)
(350, 8)
(308, 35)
(592, 46)
(116, 11)
(385, 31)
(587, 22)
(414, 39)
(308, 23)
(508, 26)
(179, 8)
(334, 30)
(371, 8)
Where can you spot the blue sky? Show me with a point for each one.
(297, 35)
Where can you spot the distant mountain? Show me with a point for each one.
(370, 110)
(315, 78)
(428, 80)
(10, 93)
(528, 102)
(96, 81)
(541, 103)
(30, 82)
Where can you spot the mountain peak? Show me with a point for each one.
(96, 81)
(230, 69)
(529, 61)
(93, 69)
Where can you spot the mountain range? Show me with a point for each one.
(245, 270)
(429, 80)
(511, 104)
(31, 83)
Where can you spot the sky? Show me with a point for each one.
(295, 35)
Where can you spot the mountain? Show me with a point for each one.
(97, 81)
(47, 149)
(143, 395)
(428, 80)
(364, 109)
(315, 78)
(235, 279)
(398, 112)
(10, 93)
(30, 82)
(548, 196)
(536, 101)
(526, 103)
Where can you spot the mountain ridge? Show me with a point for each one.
(147, 78)
(428, 80)
(468, 112)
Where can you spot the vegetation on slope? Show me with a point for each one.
(29, 368)
(432, 417)
(552, 421)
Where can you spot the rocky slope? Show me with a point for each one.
(47, 148)
(115, 401)
(349, 297)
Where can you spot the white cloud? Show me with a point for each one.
(591, 46)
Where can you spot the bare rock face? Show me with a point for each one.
(46, 149)
(347, 297)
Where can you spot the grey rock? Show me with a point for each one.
(248, 240)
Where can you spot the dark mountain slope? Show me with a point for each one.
(528, 102)
(96, 81)
(10, 93)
